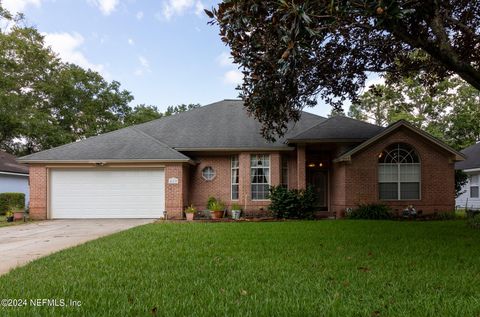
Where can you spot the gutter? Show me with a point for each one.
(14, 174)
(106, 161)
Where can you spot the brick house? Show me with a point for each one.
(217, 150)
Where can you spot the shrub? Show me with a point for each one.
(11, 200)
(211, 201)
(291, 203)
(474, 221)
(370, 211)
(445, 216)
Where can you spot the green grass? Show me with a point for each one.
(4, 223)
(322, 268)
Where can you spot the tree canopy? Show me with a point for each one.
(449, 110)
(45, 102)
(293, 52)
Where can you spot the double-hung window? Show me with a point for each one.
(474, 186)
(260, 176)
(235, 166)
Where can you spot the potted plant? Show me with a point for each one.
(216, 209)
(236, 211)
(9, 216)
(190, 212)
(18, 213)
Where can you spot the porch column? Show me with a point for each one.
(301, 169)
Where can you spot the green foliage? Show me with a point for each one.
(211, 200)
(371, 211)
(45, 102)
(190, 210)
(291, 203)
(448, 109)
(461, 179)
(217, 205)
(9, 201)
(446, 216)
(141, 114)
(9, 214)
(474, 221)
(236, 206)
(293, 53)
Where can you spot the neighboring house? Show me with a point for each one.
(471, 166)
(217, 150)
(13, 176)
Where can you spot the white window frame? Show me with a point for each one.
(399, 182)
(214, 174)
(474, 182)
(232, 168)
(269, 175)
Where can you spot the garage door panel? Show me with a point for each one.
(107, 193)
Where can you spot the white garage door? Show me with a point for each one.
(85, 193)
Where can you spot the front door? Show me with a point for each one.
(318, 179)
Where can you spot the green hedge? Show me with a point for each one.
(370, 211)
(292, 203)
(11, 200)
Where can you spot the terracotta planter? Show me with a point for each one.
(216, 214)
(190, 216)
(18, 215)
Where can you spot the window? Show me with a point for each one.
(399, 173)
(235, 171)
(284, 174)
(208, 173)
(260, 176)
(474, 186)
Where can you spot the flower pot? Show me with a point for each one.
(18, 215)
(217, 214)
(236, 214)
(190, 216)
(10, 219)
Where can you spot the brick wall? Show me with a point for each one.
(38, 192)
(361, 176)
(220, 187)
(176, 198)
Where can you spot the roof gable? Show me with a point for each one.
(8, 164)
(123, 144)
(338, 128)
(394, 126)
(472, 160)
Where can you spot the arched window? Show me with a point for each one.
(399, 173)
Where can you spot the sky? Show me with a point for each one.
(162, 51)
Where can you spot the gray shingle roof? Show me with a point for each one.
(124, 144)
(339, 128)
(8, 163)
(224, 124)
(473, 158)
(221, 125)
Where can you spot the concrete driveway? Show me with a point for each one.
(24, 243)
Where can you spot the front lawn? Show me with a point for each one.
(316, 268)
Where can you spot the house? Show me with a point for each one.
(217, 150)
(13, 176)
(471, 166)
